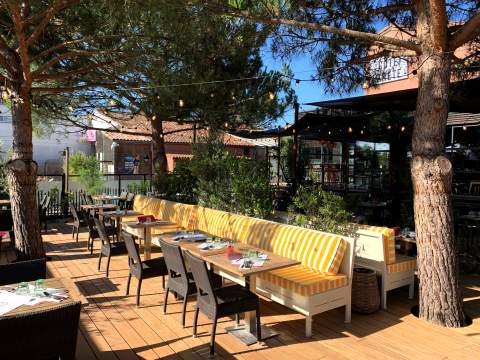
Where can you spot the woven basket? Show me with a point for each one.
(365, 294)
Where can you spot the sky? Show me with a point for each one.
(306, 91)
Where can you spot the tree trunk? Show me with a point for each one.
(159, 160)
(22, 177)
(440, 294)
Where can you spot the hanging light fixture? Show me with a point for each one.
(154, 117)
(389, 127)
(350, 129)
(365, 84)
(361, 132)
(70, 108)
(402, 129)
(464, 128)
(112, 102)
(271, 95)
(297, 82)
(226, 124)
(181, 103)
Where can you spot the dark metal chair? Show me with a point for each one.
(108, 248)
(93, 232)
(218, 303)
(42, 212)
(129, 202)
(142, 269)
(180, 281)
(41, 334)
(23, 271)
(77, 222)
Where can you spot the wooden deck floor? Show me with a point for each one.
(112, 327)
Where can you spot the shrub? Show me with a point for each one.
(88, 169)
(142, 187)
(322, 210)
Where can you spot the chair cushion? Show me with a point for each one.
(304, 281)
(316, 250)
(389, 243)
(234, 293)
(403, 263)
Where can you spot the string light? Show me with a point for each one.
(361, 132)
(402, 129)
(271, 95)
(350, 129)
(297, 82)
(181, 103)
(112, 102)
(329, 132)
(464, 128)
(70, 108)
(154, 117)
(5, 94)
(226, 124)
(365, 84)
(389, 127)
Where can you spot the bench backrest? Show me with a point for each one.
(314, 249)
(375, 243)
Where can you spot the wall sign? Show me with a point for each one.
(386, 69)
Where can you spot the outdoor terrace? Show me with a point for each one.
(112, 327)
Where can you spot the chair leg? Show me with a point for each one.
(78, 231)
(411, 288)
(259, 325)
(195, 320)
(184, 310)
(108, 264)
(308, 326)
(163, 282)
(91, 246)
(212, 337)
(165, 300)
(139, 286)
(348, 313)
(73, 232)
(237, 319)
(128, 283)
(99, 260)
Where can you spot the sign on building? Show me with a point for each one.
(386, 69)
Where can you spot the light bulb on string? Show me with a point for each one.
(350, 129)
(181, 103)
(297, 82)
(329, 132)
(112, 102)
(365, 84)
(5, 94)
(226, 124)
(361, 132)
(402, 129)
(464, 128)
(70, 108)
(271, 95)
(389, 127)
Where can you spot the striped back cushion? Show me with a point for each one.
(314, 249)
(214, 222)
(389, 241)
(238, 228)
(145, 205)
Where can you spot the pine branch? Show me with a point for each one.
(67, 74)
(469, 31)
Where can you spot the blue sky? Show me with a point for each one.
(307, 91)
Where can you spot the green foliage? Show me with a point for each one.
(142, 187)
(180, 185)
(88, 169)
(322, 210)
(3, 181)
(286, 159)
(229, 183)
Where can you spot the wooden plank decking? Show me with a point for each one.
(112, 327)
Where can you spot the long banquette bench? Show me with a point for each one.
(320, 283)
(375, 249)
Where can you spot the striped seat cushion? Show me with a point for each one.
(389, 243)
(404, 263)
(304, 281)
(314, 249)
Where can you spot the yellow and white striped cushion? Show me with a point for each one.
(314, 249)
(238, 228)
(404, 263)
(389, 243)
(304, 281)
(214, 222)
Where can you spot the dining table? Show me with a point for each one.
(60, 283)
(106, 198)
(225, 257)
(144, 230)
(98, 207)
(118, 216)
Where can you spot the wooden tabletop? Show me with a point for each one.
(98, 207)
(105, 197)
(56, 283)
(219, 258)
(142, 225)
(121, 214)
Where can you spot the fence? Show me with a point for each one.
(61, 194)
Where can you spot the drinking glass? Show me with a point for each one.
(22, 289)
(40, 287)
